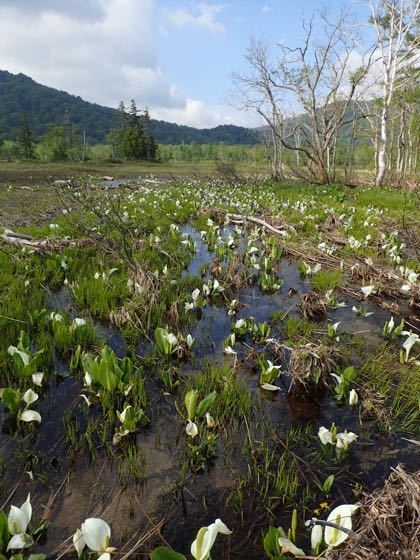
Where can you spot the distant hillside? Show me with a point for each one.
(45, 105)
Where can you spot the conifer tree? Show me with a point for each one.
(26, 145)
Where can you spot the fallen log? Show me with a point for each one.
(42, 246)
(253, 220)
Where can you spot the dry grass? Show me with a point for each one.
(387, 526)
(312, 307)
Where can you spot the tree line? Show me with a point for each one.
(131, 139)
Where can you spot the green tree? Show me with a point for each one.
(151, 152)
(54, 143)
(25, 142)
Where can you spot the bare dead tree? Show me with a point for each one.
(306, 92)
(395, 23)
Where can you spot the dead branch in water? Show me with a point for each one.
(238, 218)
(42, 246)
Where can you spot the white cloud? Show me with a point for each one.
(106, 57)
(196, 113)
(202, 16)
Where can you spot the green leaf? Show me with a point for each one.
(165, 553)
(4, 532)
(11, 398)
(205, 404)
(271, 542)
(37, 557)
(190, 401)
(328, 482)
(161, 341)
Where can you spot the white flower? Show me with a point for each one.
(37, 379)
(18, 521)
(325, 436)
(206, 536)
(97, 533)
(353, 397)
(54, 316)
(79, 542)
(87, 379)
(189, 340)
(240, 323)
(344, 439)
(368, 290)
(172, 339)
(288, 546)
(409, 343)
(30, 396)
(229, 351)
(210, 420)
(30, 416)
(191, 429)
(316, 537)
(189, 306)
(78, 322)
(341, 515)
(12, 350)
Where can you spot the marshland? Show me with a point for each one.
(209, 337)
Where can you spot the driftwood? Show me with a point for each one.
(42, 246)
(238, 218)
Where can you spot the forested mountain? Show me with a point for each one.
(45, 105)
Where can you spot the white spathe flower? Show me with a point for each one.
(19, 518)
(325, 436)
(12, 350)
(30, 396)
(344, 439)
(409, 343)
(353, 397)
(18, 521)
(87, 379)
(368, 290)
(189, 306)
(121, 415)
(206, 536)
(341, 516)
(195, 294)
(316, 537)
(191, 429)
(79, 542)
(210, 420)
(229, 351)
(37, 379)
(54, 316)
(30, 416)
(287, 546)
(189, 340)
(172, 339)
(97, 533)
(78, 322)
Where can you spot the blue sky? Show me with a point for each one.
(175, 56)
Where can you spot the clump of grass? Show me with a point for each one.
(295, 327)
(325, 280)
(391, 391)
(272, 476)
(233, 401)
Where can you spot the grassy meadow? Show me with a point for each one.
(177, 348)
